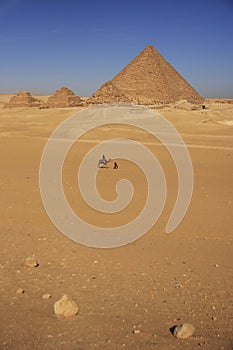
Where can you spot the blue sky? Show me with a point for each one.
(47, 44)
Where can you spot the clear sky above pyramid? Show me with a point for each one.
(47, 44)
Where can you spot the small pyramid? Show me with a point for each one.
(23, 99)
(148, 79)
(108, 93)
(63, 98)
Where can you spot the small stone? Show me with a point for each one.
(46, 296)
(31, 261)
(66, 307)
(184, 331)
(178, 284)
(20, 291)
(216, 265)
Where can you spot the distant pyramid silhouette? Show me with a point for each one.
(23, 99)
(148, 79)
(63, 98)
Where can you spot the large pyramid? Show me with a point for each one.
(63, 98)
(148, 79)
(23, 99)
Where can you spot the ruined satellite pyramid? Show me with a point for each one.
(23, 99)
(63, 98)
(148, 79)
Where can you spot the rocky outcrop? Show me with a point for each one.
(149, 79)
(23, 99)
(63, 98)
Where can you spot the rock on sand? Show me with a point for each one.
(66, 307)
(31, 261)
(184, 331)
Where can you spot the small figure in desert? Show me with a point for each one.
(115, 166)
(103, 161)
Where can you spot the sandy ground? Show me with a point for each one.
(150, 285)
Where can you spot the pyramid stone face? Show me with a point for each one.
(64, 98)
(23, 99)
(149, 79)
(108, 93)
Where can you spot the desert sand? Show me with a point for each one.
(129, 297)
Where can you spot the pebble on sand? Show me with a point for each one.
(20, 291)
(66, 307)
(31, 261)
(183, 331)
(46, 296)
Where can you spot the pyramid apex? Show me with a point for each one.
(148, 51)
(149, 47)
